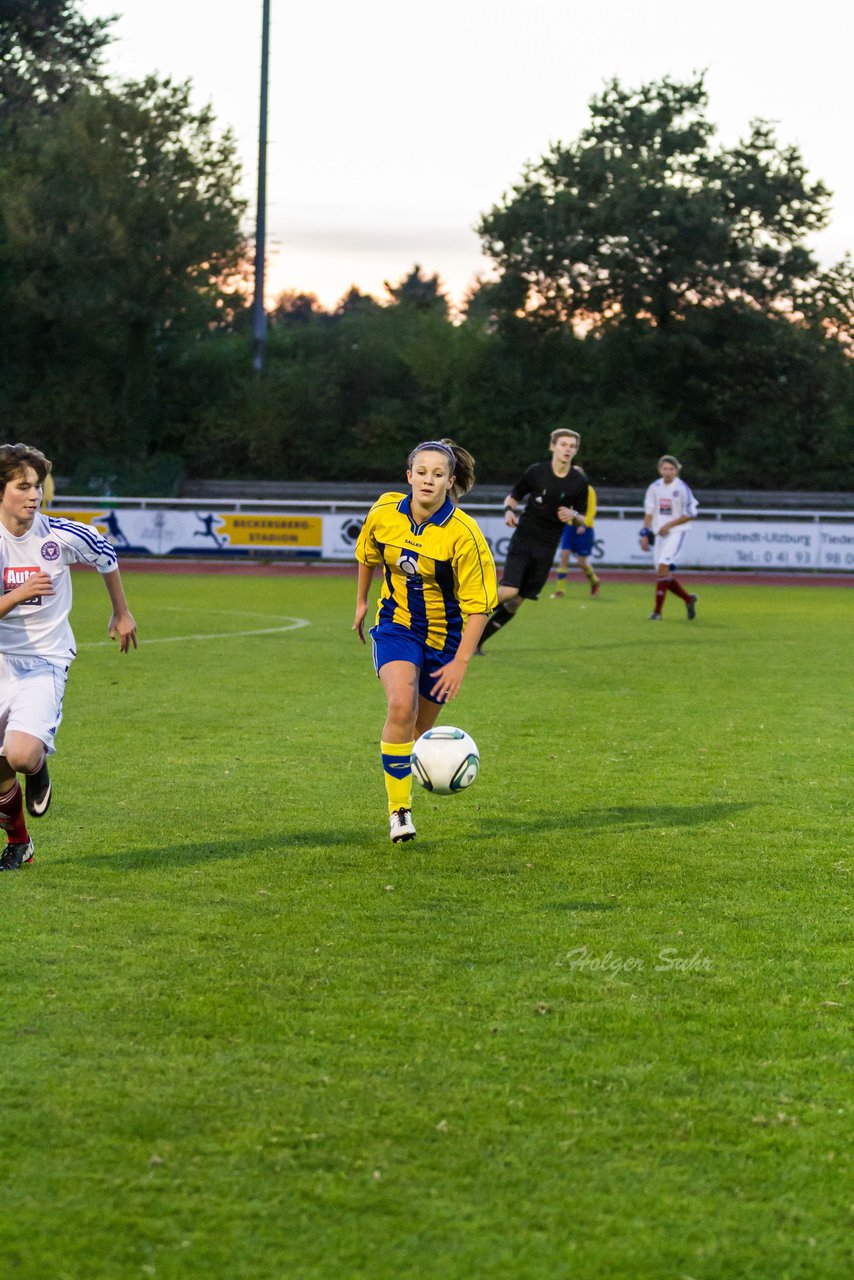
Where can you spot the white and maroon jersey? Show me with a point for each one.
(668, 502)
(39, 628)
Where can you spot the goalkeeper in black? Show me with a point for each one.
(556, 493)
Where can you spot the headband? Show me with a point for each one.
(439, 446)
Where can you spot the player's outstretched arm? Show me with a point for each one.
(122, 622)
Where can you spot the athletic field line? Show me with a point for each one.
(293, 624)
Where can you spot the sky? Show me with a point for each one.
(394, 124)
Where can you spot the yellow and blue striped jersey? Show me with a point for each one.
(434, 574)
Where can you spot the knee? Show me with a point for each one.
(25, 759)
(401, 707)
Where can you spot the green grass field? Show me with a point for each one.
(595, 1022)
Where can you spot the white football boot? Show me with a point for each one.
(401, 826)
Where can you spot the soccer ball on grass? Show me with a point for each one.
(445, 760)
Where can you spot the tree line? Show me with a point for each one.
(651, 288)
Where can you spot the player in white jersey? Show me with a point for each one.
(669, 505)
(36, 641)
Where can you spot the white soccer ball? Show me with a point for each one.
(445, 760)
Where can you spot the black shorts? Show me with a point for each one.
(527, 566)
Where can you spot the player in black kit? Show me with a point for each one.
(557, 495)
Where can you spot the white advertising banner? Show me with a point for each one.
(836, 546)
(716, 544)
(188, 532)
(340, 534)
(743, 543)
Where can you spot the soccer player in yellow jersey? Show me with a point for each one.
(577, 540)
(438, 589)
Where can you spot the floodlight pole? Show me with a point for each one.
(259, 315)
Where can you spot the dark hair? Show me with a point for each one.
(14, 458)
(463, 471)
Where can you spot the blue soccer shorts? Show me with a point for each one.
(393, 643)
(577, 540)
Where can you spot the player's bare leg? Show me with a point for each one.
(428, 714)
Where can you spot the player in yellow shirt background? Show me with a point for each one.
(48, 492)
(438, 589)
(577, 540)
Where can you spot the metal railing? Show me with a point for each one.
(335, 506)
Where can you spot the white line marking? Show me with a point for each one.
(225, 613)
(294, 624)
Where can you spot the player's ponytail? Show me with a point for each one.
(463, 471)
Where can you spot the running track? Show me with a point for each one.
(312, 568)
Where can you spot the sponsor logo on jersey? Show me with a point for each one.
(50, 551)
(408, 563)
(15, 576)
(665, 506)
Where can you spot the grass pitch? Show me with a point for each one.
(593, 1023)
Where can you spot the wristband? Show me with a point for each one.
(507, 507)
(649, 535)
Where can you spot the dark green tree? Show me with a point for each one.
(292, 307)
(707, 325)
(644, 217)
(419, 291)
(355, 300)
(120, 241)
(48, 50)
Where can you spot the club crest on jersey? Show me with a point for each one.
(408, 564)
(50, 551)
(16, 575)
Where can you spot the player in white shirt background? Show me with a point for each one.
(36, 641)
(669, 506)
